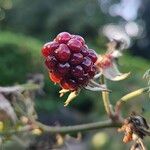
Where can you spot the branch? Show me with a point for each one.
(19, 88)
(128, 97)
(16, 131)
(64, 129)
(79, 128)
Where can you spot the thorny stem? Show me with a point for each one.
(128, 97)
(106, 101)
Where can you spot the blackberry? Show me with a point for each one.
(49, 48)
(70, 62)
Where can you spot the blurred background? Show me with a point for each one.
(26, 25)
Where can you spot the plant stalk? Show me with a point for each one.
(106, 101)
(128, 97)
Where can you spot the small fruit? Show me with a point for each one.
(63, 53)
(55, 77)
(87, 63)
(92, 56)
(49, 48)
(79, 38)
(63, 37)
(76, 58)
(75, 45)
(69, 61)
(51, 62)
(78, 71)
(63, 69)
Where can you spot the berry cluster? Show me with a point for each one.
(69, 61)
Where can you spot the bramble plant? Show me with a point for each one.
(74, 66)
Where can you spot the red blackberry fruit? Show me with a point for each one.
(76, 58)
(69, 61)
(63, 69)
(49, 48)
(79, 38)
(51, 62)
(78, 71)
(63, 37)
(92, 55)
(74, 45)
(92, 71)
(84, 51)
(55, 77)
(64, 84)
(83, 80)
(63, 53)
(69, 84)
(87, 63)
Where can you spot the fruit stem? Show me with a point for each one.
(105, 97)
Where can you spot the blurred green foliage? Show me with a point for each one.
(40, 19)
(19, 56)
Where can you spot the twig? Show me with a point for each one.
(128, 97)
(16, 131)
(65, 129)
(79, 128)
(19, 88)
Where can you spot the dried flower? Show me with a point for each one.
(135, 127)
(107, 66)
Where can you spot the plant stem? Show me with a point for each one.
(26, 128)
(105, 97)
(20, 88)
(64, 129)
(78, 128)
(128, 97)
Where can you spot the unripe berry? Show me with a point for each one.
(69, 61)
